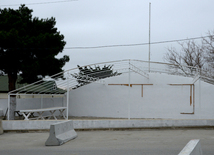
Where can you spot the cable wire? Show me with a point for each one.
(109, 46)
(140, 44)
(40, 3)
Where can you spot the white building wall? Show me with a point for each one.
(3, 106)
(159, 100)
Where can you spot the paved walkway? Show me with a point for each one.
(130, 142)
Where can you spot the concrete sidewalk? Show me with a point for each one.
(125, 142)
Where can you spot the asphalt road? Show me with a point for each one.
(130, 142)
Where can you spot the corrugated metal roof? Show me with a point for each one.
(43, 87)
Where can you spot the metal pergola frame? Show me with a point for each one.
(41, 88)
(61, 83)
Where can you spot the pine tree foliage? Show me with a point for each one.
(28, 48)
(88, 74)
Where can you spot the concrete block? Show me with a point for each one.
(1, 129)
(60, 133)
(193, 147)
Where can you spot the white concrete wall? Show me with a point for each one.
(3, 95)
(159, 101)
(3, 105)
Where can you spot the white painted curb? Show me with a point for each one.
(60, 133)
(193, 147)
(107, 124)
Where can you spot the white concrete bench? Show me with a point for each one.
(26, 113)
(60, 133)
(193, 147)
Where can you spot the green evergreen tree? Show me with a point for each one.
(88, 74)
(28, 46)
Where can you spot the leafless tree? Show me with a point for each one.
(208, 46)
(191, 54)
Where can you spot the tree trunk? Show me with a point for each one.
(12, 77)
(12, 107)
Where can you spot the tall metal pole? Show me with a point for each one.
(149, 31)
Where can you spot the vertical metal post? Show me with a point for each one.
(193, 98)
(129, 100)
(149, 32)
(199, 91)
(8, 111)
(41, 101)
(199, 96)
(190, 95)
(63, 100)
(67, 96)
(142, 90)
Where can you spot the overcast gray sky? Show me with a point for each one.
(87, 23)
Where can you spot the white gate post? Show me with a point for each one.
(41, 101)
(67, 95)
(8, 106)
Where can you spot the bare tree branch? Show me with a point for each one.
(191, 54)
